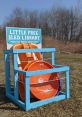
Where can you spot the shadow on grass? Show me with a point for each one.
(3, 98)
(5, 102)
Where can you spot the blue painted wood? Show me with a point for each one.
(27, 93)
(33, 50)
(15, 77)
(56, 65)
(60, 69)
(67, 85)
(42, 102)
(53, 58)
(8, 51)
(16, 101)
(20, 71)
(27, 105)
(7, 73)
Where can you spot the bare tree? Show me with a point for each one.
(16, 18)
(60, 23)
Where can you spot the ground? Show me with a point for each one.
(66, 108)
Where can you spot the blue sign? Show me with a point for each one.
(27, 35)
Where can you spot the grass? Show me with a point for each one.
(65, 108)
(74, 47)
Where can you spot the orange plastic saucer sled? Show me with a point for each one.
(41, 86)
(25, 58)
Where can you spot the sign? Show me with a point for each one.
(25, 35)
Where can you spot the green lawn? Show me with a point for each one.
(65, 108)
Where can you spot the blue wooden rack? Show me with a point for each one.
(14, 96)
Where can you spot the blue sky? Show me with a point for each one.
(7, 6)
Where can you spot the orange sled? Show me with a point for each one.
(41, 86)
(25, 58)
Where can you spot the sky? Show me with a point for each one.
(7, 6)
